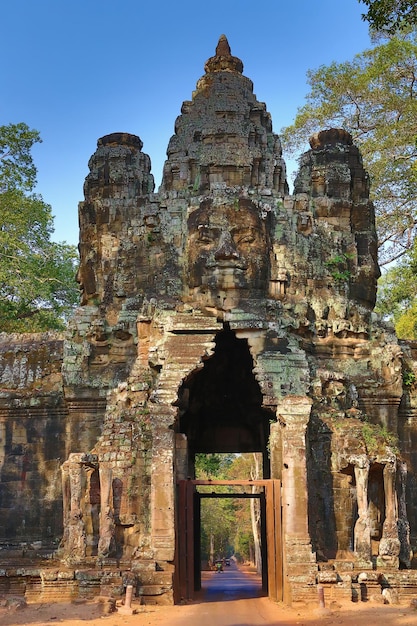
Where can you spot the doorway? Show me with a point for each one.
(221, 410)
(188, 558)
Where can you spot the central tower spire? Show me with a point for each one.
(223, 60)
(224, 135)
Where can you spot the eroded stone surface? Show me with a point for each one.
(219, 314)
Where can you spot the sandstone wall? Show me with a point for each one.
(33, 426)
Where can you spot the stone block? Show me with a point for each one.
(327, 577)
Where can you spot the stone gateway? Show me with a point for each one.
(219, 314)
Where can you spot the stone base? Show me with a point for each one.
(126, 610)
(302, 583)
(387, 562)
(359, 585)
(57, 583)
(153, 583)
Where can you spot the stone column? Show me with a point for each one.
(74, 531)
(299, 560)
(362, 531)
(405, 555)
(389, 546)
(181, 457)
(66, 504)
(162, 494)
(275, 449)
(106, 542)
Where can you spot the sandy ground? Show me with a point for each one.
(225, 600)
(192, 615)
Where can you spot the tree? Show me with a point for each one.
(397, 295)
(218, 526)
(212, 465)
(374, 97)
(249, 466)
(217, 515)
(17, 170)
(390, 15)
(37, 276)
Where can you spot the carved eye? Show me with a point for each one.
(247, 237)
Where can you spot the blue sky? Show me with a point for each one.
(79, 69)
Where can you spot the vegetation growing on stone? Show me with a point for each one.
(409, 377)
(377, 438)
(338, 266)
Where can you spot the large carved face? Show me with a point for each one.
(228, 253)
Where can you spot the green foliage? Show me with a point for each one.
(377, 438)
(374, 97)
(37, 276)
(243, 545)
(390, 15)
(218, 524)
(409, 378)
(339, 267)
(397, 295)
(213, 465)
(225, 522)
(17, 170)
(406, 324)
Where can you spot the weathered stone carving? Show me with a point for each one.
(220, 314)
(228, 254)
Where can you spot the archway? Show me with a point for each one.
(220, 405)
(220, 410)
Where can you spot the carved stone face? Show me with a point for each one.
(227, 253)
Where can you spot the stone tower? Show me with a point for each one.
(222, 314)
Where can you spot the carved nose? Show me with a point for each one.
(226, 249)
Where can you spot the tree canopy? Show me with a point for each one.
(227, 526)
(390, 15)
(397, 295)
(37, 276)
(374, 97)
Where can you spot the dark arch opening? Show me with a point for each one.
(220, 405)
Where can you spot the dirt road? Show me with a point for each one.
(229, 598)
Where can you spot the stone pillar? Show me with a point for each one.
(405, 555)
(275, 449)
(389, 546)
(91, 509)
(299, 560)
(74, 532)
(162, 494)
(362, 531)
(66, 504)
(181, 457)
(106, 542)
